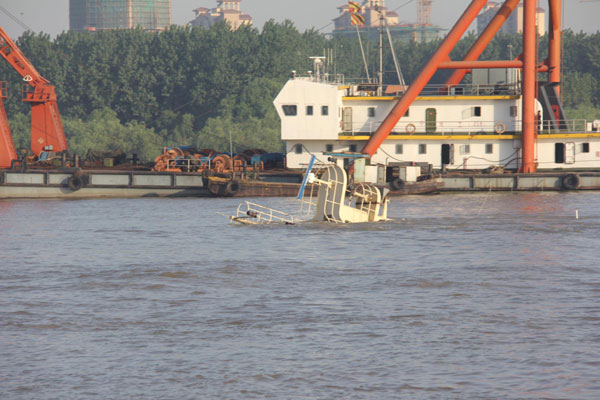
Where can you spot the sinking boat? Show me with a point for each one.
(334, 202)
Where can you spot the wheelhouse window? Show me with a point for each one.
(298, 148)
(559, 153)
(290, 110)
(489, 148)
(422, 149)
(513, 111)
(309, 110)
(352, 148)
(407, 113)
(328, 148)
(399, 149)
(324, 110)
(471, 112)
(585, 147)
(371, 112)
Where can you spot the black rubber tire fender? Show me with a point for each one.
(397, 184)
(570, 181)
(232, 188)
(75, 182)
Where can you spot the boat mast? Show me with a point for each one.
(380, 74)
(398, 71)
(362, 50)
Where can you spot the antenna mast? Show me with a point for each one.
(380, 75)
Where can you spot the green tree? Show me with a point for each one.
(20, 126)
(580, 89)
(196, 86)
(103, 131)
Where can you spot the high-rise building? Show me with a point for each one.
(226, 10)
(514, 23)
(96, 15)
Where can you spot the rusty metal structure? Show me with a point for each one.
(47, 133)
(527, 62)
(208, 161)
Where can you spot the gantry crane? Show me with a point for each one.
(47, 133)
(527, 62)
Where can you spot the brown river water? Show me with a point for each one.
(469, 296)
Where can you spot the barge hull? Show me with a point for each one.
(558, 181)
(99, 184)
(128, 184)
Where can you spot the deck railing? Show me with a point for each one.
(359, 87)
(471, 127)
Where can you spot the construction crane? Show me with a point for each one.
(424, 12)
(7, 148)
(527, 62)
(47, 133)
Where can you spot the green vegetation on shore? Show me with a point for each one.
(137, 91)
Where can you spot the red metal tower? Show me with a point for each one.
(7, 148)
(46, 126)
(526, 61)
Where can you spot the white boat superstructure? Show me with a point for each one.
(460, 127)
(335, 202)
(364, 204)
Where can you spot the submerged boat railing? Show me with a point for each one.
(252, 213)
(471, 127)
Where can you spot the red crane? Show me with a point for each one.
(47, 133)
(527, 62)
(7, 148)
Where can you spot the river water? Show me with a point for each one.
(474, 296)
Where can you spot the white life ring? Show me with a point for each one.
(411, 128)
(500, 128)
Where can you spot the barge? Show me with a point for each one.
(77, 184)
(127, 184)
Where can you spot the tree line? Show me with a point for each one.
(139, 91)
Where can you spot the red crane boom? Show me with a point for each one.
(527, 62)
(7, 148)
(47, 132)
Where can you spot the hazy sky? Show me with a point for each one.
(52, 16)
